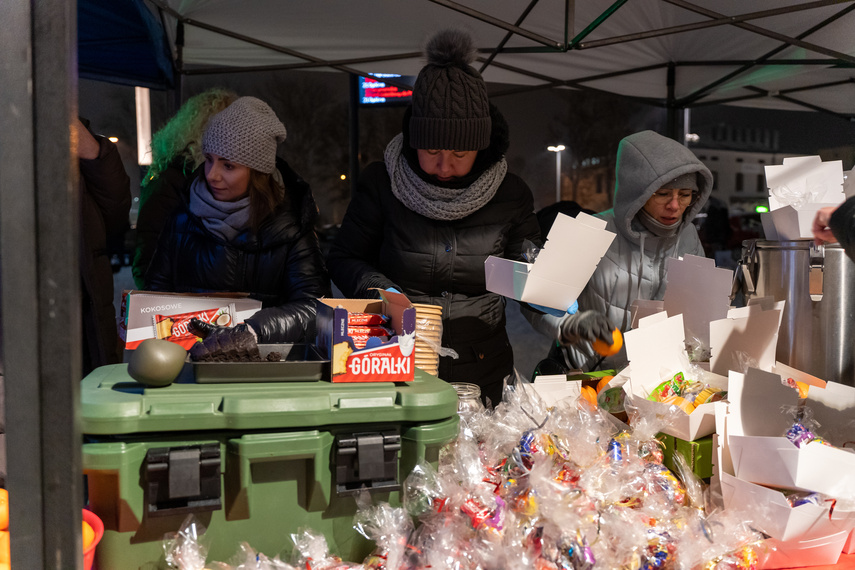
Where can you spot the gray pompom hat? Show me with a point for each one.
(450, 106)
(246, 132)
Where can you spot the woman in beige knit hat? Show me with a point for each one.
(246, 224)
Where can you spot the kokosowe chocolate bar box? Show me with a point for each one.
(151, 314)
(385, 358)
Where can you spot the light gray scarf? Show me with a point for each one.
(436, 202)
(223, 219)
(656, 227)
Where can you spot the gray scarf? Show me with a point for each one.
(223, 219)
(436, 202)
(656, 227)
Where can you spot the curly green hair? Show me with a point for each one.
(182, 135)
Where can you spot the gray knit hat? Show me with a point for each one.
(246, 132)
(688, 181)
(450, 107)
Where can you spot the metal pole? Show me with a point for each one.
(558, 176)
(40, 231)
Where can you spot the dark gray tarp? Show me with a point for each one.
(122, 41)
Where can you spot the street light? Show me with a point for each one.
(557, 150)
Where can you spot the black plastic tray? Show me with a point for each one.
(300, 363)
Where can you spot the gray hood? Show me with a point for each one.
(645, 162)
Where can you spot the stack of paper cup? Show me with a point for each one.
(428, 337)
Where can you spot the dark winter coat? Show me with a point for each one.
(282, 266)
(842, 224)
(161, 197)
(383, 244)
(105, 195)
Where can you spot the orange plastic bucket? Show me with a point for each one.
(98, 526)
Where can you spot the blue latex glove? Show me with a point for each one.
(557, 312)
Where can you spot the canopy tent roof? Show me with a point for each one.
(783, 54)
(122, 42)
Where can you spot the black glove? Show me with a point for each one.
(586, 325)
(223, 344)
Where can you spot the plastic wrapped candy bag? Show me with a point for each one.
(530, 251)
(423, 492)
(186, 549)
(724, 540)
(312, 553)
(249, 559)
(388, 527)
(803, 430)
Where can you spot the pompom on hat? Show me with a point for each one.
(246, 132)
(450, 107)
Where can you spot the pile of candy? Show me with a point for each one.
(523, 486)
(684, 393)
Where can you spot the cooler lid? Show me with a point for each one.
(112, 403)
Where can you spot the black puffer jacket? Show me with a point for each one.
(383, 244)
(282, 266)
(159, 198)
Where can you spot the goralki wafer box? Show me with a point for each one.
(384, 358)
(150, 314)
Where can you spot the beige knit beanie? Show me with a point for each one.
(246, 132)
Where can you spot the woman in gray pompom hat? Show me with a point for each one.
(246, 224)
(424, 221)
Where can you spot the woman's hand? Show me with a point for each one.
(586, 325)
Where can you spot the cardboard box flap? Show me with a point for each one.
(561, 269)
(698, 290)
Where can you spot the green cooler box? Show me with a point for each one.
(254, 462)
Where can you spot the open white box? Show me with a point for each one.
(656, 350)
(699, 291)
(760, 454)
(797, 189)
(747, 334)
(774, 515)
(562, 268)
(824, 550)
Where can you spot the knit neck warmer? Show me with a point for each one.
(223, 219)
(656, 227)
(437, 202)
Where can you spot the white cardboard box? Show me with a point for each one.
(699, 291)
(562, 268)
(797, 189)
(748, 335)
(824, 550)
(656, 350)
(757, 417)
(774, 515)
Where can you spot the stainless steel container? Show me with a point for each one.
(818, 284)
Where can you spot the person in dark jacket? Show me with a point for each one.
(424, 221)
(247, 225)
(176, 153)
(837, 224)
(105, 201)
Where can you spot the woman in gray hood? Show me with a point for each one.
(661, 186)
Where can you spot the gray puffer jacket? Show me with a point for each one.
(634, 265)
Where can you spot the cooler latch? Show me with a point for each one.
(367, 461)
(182, 480)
